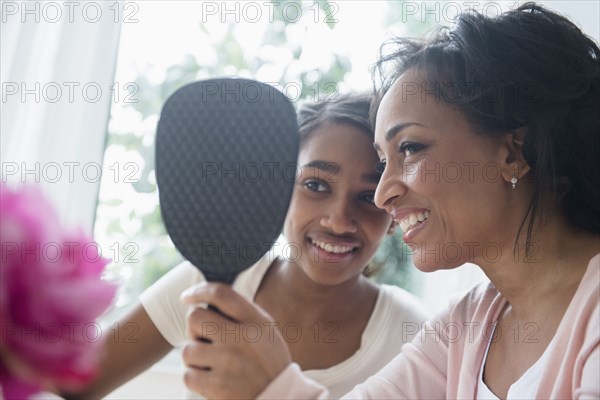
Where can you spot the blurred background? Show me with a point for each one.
(83, 84)
(308, 50)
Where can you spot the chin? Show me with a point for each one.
(325, 279)
(431, 262)
(430, 257)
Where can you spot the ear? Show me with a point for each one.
(392, 228)
(514, 164)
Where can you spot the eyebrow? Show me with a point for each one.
(326, 166)
(334, 168)
(394, 130)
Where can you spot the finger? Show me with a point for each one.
(213, 384)
(212, 326)
(209, 371)
(226, 300)
(205, 323)
(197, 380)
(199, 355)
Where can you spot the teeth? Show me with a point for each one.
(332, 248)
(411, 220)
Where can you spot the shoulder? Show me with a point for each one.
(248, 281)
(585, 306)
(171, 284)
(592, 274)
(402, 304)
(478, 304)
(163, 306)
(396, 319)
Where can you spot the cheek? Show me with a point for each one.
(443, 181)
(377, 224)
(288, 228)
(295, 216)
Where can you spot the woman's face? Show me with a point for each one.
(442, 180)
(332, 221)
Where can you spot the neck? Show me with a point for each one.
(559, 257)
(309, 300)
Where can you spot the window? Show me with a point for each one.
(305, 49)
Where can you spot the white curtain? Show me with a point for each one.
(57, 70)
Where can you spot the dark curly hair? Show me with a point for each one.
(529, 67)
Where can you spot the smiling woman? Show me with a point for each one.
(328, 191)
(538, 131)
(528, 119)
(426, 134)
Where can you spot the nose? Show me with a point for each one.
(390, 188)
(339, 217)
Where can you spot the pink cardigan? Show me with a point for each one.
(444, 361)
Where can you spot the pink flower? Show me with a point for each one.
(50, 296)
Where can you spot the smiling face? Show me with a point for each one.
(443, 182)
(332, 219)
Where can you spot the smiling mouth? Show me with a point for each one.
(412, 220)
(333, 247)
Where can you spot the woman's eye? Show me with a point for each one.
(409, 148)
(315, 186)
(380, 166)
(369, 198)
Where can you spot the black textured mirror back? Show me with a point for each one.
(226, 153)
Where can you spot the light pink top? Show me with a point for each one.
(445, 360)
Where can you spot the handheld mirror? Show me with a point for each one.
(226, 153)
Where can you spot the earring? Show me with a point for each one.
(514, 181)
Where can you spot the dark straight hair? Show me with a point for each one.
(352, 109)
(529, 67)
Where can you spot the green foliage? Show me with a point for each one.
(392, 263)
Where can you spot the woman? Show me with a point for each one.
(488, 138)
(340, 327)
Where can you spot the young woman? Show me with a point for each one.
(340, 327)
(508, 107)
